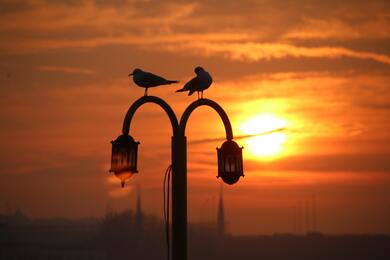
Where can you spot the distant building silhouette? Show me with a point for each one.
(115, 237)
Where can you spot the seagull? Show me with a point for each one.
(148, 80)
(201, 82)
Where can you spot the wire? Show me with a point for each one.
(167, 181)
(168, 202)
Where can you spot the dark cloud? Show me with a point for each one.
(144, 18)
(375, 105)
(361, 44)
(353, 163)
(14, 6)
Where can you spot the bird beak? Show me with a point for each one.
(131, 74)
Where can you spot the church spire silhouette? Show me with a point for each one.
(138, 210)
(221, 215)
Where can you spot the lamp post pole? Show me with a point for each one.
(179, 163)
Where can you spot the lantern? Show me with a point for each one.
(230, 167)
(124, 157)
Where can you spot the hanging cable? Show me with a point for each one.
(167, 181)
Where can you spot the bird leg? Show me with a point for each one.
(201, 93)
(198, 94)
(146, 92)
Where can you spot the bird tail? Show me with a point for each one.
(181, 90)
(172, 81)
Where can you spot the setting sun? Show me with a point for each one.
(267, 145)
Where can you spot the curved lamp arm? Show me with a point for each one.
(150, 99)
(216, 107)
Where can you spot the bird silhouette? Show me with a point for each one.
(201, 82)
(148, 80)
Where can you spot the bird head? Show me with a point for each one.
(135, 71)
(198, 70)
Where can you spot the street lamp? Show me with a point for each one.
(124, 157)
(230, 162)
(124, 161)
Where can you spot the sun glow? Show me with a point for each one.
(267, 145)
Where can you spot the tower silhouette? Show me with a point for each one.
(295, 219)
(139, 236)
(138, 210)
(221, 215)
(307, 228)
(314, 213)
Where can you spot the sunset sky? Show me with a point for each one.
(318, 69)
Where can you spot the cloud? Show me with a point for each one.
(356, 163)
(210, 140)
(71, 70)
(338, 29)
(206, 45)
(375, 105)
(91, 17)
(193, 29)
(253, 51)
(152, 42)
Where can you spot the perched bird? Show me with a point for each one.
(148, 80)
(201, 82)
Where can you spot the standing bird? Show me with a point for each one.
(148, 80)
(201, 82)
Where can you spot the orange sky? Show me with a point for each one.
(319, 69)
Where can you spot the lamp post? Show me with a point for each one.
(124, 161)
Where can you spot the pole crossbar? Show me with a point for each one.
(150, 99)
(212, 104)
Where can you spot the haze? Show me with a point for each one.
(319, 69)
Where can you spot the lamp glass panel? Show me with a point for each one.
(239, 164)
(230, 165)
(132, 159)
